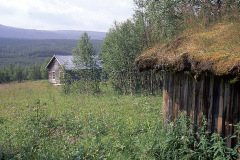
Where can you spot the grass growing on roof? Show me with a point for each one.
(214, 49)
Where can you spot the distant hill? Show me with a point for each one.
(30, 51)
(11, 32)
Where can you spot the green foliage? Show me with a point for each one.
(45, 124)
(39, 122)
(20, 73)
(120, 48)
(85, 61)
(181, 142)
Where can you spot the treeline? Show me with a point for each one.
(19, 73)
(155, 22)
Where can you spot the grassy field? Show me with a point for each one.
(37, 121)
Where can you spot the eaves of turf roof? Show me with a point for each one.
(215, 50)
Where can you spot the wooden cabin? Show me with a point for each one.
(201, 73)
(60, 64)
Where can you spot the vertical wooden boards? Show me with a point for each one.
(235, 111)
(216, 98)
(210, 99)
(227, 106)
(193, 100)
(190, 83)
(165, 97)
(185, 94)
(182, 84)
(176, 95)
(170, 96)
(206, 96)
(221, 108)
(213, 97)
(201, 99)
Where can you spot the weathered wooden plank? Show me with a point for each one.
(228, 122)
(200, 100)
(196, 110)
(165, 97)
(211, 87)
(221, 108)
(182, 83)
(176, 96)
(216, 99)
(206, 96)
(226, 105)
(186, 94)
(235, 111)
(189, 108)
(193, 104)
(170, 96)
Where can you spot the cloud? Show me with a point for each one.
(95, 15)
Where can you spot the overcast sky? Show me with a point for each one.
(87, 15)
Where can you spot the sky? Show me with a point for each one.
(86, 15)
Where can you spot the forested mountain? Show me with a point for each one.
(11, 32)
(29, 51)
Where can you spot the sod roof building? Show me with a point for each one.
(201, 72)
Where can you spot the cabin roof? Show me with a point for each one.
(215, 50)
(67, 62)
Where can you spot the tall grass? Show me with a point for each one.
(38, 121)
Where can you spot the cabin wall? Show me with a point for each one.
(211, 97)
(54, 67)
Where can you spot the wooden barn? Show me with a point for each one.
(201, 73)
(60, 64)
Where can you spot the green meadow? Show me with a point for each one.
(39, 121)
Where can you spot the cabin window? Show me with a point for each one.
(53, 75)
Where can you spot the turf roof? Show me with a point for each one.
(215, 50)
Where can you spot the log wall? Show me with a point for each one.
(211, 97)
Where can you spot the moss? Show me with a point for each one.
(215, 49)
(235, 80)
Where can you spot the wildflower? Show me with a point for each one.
(72, 142)
(92, 155)
(54, 136)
